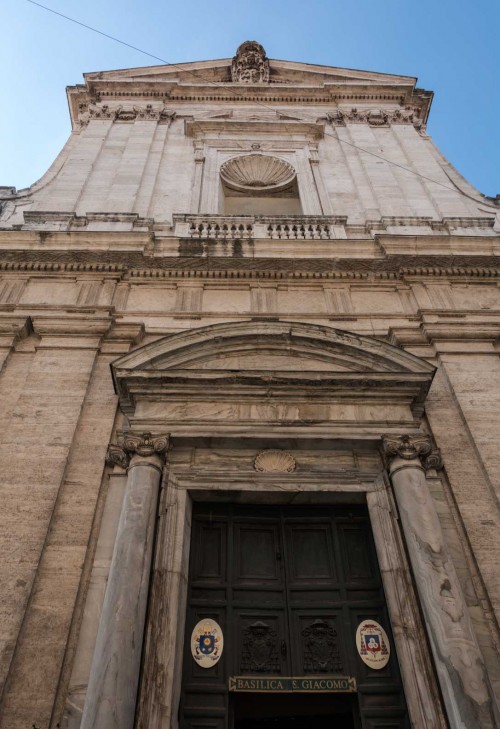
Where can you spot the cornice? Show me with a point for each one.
(315, 89)
(460, 331)
(71, 326)
(52, 267)
(136, 265)
(392, 231)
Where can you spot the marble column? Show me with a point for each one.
(114, 676)
(458, 660)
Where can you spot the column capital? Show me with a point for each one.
(140, 444)
(412, 447)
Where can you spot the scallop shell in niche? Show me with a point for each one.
(275, 461)
(257, 173)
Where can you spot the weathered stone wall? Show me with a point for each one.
(59, 410)
(121, 243)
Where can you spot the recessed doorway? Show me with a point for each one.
(261, 711)
(288, 586)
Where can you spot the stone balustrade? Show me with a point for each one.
(230, 227)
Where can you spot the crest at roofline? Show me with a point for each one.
(250, 64)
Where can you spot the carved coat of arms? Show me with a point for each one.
(321, 653)
(250, 64)
(260, 649)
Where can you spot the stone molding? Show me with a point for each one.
(72, 220)
(126, 270)
(338, 118)
(71, 326)
(93, 110)
(211, 128)
(411, 448)
(141, 444)
(386, 228)
(376, 117)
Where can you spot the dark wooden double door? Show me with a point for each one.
(289, 586)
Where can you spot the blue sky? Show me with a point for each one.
(452, 47)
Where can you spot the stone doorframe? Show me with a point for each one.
(162, 674)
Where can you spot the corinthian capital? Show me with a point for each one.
(142, 444)
(412, 447)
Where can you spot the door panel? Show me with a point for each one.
(210, 552)
(258, 551)
(309, 553)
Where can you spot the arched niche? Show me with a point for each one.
(259, 184)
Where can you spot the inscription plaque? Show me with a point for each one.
(293, 684)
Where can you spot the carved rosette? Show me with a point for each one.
(274, 461)
(141, 444)
(412, 447)
(250, 64)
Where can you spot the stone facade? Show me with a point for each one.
(272, 257)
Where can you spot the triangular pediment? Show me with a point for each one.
(270, 83)
(281, 72)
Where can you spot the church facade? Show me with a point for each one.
(250, 396)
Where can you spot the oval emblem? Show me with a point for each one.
(207, 643)
(373, 644)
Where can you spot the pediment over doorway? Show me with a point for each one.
(259, 346)
(278, 371)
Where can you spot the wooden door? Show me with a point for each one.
(288, 586)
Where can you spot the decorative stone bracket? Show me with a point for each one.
(141, 444)
(87, 112)
(410, 447)
(377, 117)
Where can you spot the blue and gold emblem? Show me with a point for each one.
(207, 643)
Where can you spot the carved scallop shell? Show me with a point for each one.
(275, 461)
(257, 172)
